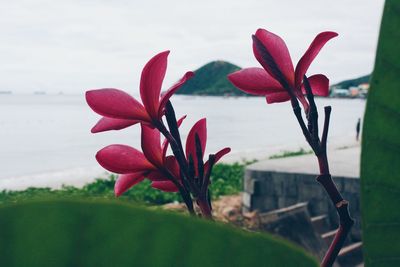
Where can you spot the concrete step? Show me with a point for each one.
(320, 224)
(351, 255)
(328, 237)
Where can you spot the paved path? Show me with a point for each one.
(344, 162)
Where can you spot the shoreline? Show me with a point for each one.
(80, 176)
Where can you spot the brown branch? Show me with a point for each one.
(325, 179)
(313, 112)
(345, 221)
(324, 137)
(203, 200)
(179, 155)
(311, 135)
(182, 190)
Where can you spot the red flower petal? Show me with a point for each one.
(179, 122)
(305, 61)
(218, 156)
(167, 95)
(173, 166)
(279, 52)
(123, 159)
(126, 181)
(255, 81)
(166, 142)
(200, 128)
(107, 124)
(319, 85)
(117, 104)
(277, 97)
(156, 176)
(166, 186)
(151, 145)
(150, 82)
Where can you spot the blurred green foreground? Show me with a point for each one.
(107, 233)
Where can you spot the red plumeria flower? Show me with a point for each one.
(120, 110)
(127, 161)
(199, 128)
(265, 81)
(134, 166)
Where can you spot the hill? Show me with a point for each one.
(353, 82)
(211, 79)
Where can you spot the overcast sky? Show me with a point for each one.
(75, 45)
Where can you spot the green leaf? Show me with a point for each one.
(87, 233)
(380, 159)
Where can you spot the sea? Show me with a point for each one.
(45, 140)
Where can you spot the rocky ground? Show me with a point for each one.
(227, 209)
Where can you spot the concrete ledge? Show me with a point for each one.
(279, 183)
(343, 162)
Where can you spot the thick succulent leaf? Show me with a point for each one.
(104, 233)
(255, 81)
(115, 103)
(380, 156)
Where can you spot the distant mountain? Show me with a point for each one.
(211, 79)
(353, 82)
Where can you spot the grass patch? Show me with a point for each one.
(286, 154)
(226, 179)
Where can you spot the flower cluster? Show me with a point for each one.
(278, 80)
(184, 171)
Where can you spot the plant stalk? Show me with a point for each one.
(205, 208)
(341, 205)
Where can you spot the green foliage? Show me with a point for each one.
(226, 179)
(105, 233)
(353, 82)
(211, 79)
(286, 154)
(380, 158)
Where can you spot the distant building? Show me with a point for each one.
(360, 91)
(353, 91)
(363, 89)
(340, 92)
(364, 86)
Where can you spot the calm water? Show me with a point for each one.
(45, 134)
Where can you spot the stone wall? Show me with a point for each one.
(268, 190)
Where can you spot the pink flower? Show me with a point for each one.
(278, 77)
(199, 129)
(134, 166)
(120, 110)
